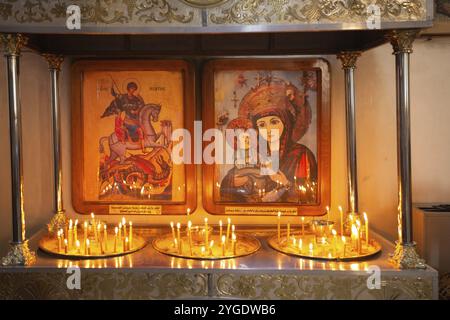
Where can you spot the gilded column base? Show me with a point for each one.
(58, 221)
(19, 254)
(406, 256)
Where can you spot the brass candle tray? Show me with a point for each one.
(49, 244)
(313, 247)
(245, 245)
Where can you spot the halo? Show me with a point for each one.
(127, 81)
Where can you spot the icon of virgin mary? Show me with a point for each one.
(274, 104)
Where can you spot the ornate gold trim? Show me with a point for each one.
(297, 287)
(57, 222)
(204, 3)
(54, 63)
(349, 58)
(406, 257)
(13, 43)
(19, 254)
(402, 40)
(286, 11)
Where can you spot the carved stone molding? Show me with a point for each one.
(349, 58)
(402, 40)
(13, 43)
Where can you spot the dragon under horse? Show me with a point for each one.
(149, 113)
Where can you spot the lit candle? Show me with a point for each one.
(176, 245)
(127, 242)
(288, 232)
(75, 230)
(65, 246)
(300, 245)
(69, 234)
(130, 236)
(311, 249)
(59, 240)
(120, 231)
(105, 236)
(92, 218)
(341, 215)
(188, 211)
(279, 227)
(77, 244)
(233, 243)
(358, 235)
(173, 231)
(366, 223)
(124, 225)
(220, 229)
(99, 226)
(116, 230)
(85, 229)
(354, 236)
(190, 236)
(88, 247)
(206, 231)
(178, 234)
(228, 229)
(303, 226)
(328, 214)
(203, 251)
(223, 245)
(211, 245)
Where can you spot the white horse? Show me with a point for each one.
(147, 114)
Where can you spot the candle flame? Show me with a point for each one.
(365, 216)
(220, 222)
(171, 224)
(77, 243)
(279, 214)
(116, 230)
(333, 232)
(343, 239)
(354, 230)
(223, 239)
(189, 224)
(178, 225)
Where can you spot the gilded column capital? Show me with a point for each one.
(19, 254)
(402, 40)
(348, 58)
(54, 61)
(13, 43)
(406, 257)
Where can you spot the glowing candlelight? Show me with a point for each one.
(206, 231)
(220, 229)
(288, 231)
(188, 211)
(127, 242)
(178, 233)
(300, 245)
(327, 217)
(354, 236)
(366, 223)
(131, 233)
(202, 251)
(233, 243)
(124, 225)
(303, 226)
(88, 247)
(59, 240)
(223, 245)
(85, 229)
(311, 249)
(98, 231)
(69, 234)
(279, 227)
(228, 229)
(116, 230)
(358, 235)
(173, 231)
(120, 231)
(65, 246)
(105, 237)
(211, 245)
(176, 245)
(190, 236)
(77, 244)
(75, 230)
(341, 215)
